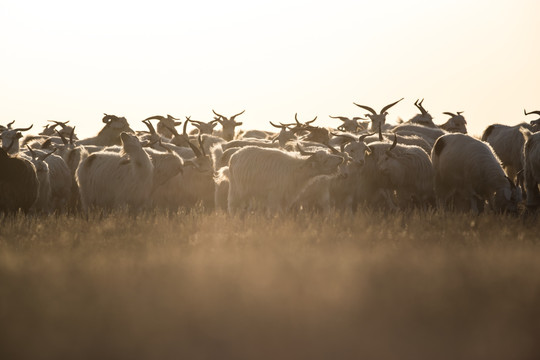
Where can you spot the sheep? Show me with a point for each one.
(164, 124)
(424, 118)
(409, 173)
(43, 200)
(168, 169)
(507, 141)
(468, 173)
(204, 127)
(228, 124)
(456, 123)
(61, 180)
(285, 135)
(429, 134)
(110, 134)
(531, 169)
(273, 178)
(19, 185)
(10, 139)
(377, 119)
(351, 125)
(110, 180)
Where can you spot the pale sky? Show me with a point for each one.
(72, 60)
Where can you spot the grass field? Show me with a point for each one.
(210, 286)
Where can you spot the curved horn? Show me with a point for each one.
(449, 114)
(394, 143)
(390, 105)
(537, 112)
(335, 151)
(23, 129)
(309, 122)
(170, 117)
(43, 157)
(64, 140)
(221, 116)
(363, 137)
(156, 117)
(366, 108)
(302, 151)
(195, 150)
(342, 118)
(32, 153)
(9, 124)
(296, 119)
(277, 126)
(107, 118)
(149, 126)
(234, 116)
(71, 135)
(418, 104)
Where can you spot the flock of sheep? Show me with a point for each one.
(300, 167)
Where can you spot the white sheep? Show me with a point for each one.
(468, 173)
(111, 180)
(273, 178)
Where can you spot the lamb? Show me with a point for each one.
(468, 173)
(110, 180)
(19, 185)
(110, 134)
(273, 178)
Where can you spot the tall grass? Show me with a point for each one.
(210, 286)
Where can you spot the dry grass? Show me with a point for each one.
(200, 286)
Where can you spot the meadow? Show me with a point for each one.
(195, 285)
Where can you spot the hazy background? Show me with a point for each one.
(67, 60)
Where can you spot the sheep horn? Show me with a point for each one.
(296, 119)
(234, 116)
(62, 137)
(149, 126)
(47, 155)
(276, 126)
(24, 129)
(309, 122)
(9, 124)
(32, 153)
(342, 118)
(221, 116)
(420, 107)
(449, 114)
(363, 137)
(394, 143)
(537, 112)
(366, 108)
(195, 150)
(390, 105)
(71, 135)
